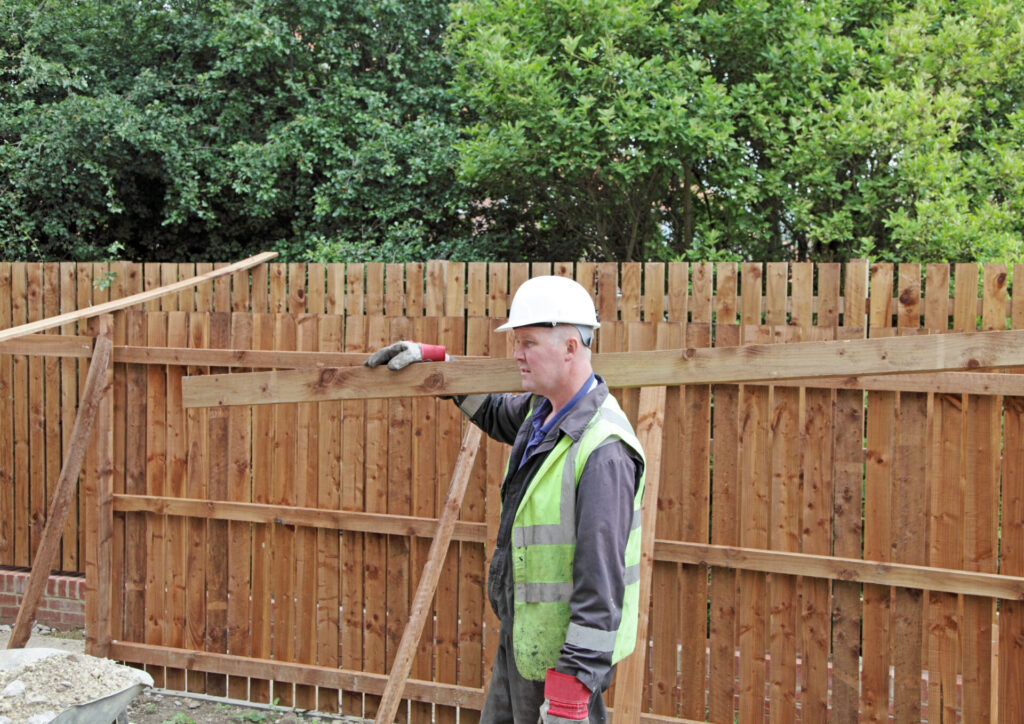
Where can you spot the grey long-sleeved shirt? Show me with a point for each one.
(604, 515)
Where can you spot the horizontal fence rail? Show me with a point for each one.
(827, 549)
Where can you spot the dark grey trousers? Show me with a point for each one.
(511, 699)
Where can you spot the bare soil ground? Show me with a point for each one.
(167, 707)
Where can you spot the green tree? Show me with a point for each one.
(589, 118)
(205, 130)
(764, 129)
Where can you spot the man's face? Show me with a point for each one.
(540, 353)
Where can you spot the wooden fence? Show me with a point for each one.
(272, 552)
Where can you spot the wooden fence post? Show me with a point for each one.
(99, 510)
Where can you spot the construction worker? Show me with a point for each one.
(564, 578)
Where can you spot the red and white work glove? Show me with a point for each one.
(403, 354)
(566, 699)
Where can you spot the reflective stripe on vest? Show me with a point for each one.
(543, 550)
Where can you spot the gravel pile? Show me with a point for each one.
(37, 691)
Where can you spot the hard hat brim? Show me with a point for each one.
(510, 325)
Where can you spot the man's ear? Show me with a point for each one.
(572, 345)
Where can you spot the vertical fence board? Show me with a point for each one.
(434, 300)
(394, 290)
(501, 345)
(630, 302)
(176, 550)
(847, 480)
(497, 290)
(725, 512)
(375, 544)
(816, 460)
(945, 536)
(414, 289)
(284, 537)
(217, 530)
(665, 577)
(472, 563)
(134, 581)
(654, 292)
(353, 455)
(8, 502)
(278, 288)
(156, 479)
(981, 505)
(476, 289)
(239, 547)
(328, 541)
(68, 406)
(335, 289)
(755, 474)
(449, 435)
(607, 292)
(296, 303)
(783, 510)
(186, 298)
(398, 501)
(354, 290)
(977, 489)
(1011, 552)
(305, 492)
(696, 496)
(424, 415)
(259, 292)
(262, 535)
(678, 291)
(196, 486)
(51, 398)
(455, 289)
(118, 286)
(881, 412)
(909, 517)
(19, 390)
(36, 424)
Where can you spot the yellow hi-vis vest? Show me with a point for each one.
(544, 544)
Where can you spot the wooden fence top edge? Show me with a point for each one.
(131, 300)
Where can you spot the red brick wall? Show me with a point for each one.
(62, 605)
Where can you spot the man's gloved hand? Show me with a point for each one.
(402, 354)
(566, 699)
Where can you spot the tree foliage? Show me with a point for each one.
(512, 129)
(762, 129)
(196, 130)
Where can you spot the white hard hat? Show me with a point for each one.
(551, 300)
